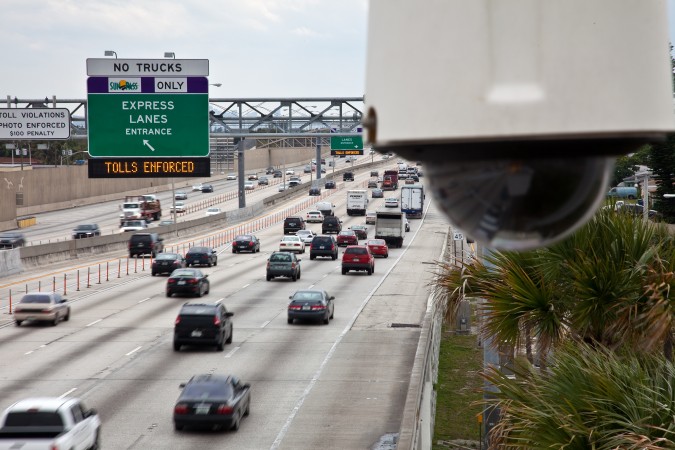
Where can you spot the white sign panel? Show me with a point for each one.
(106, 67)
(458, 236)
(34, 124)
(171, 85)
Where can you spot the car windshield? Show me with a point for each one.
(184, 273)
(280, 257)
(204, 390)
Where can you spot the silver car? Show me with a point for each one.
(42, 307)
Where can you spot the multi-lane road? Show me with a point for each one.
(341, 385)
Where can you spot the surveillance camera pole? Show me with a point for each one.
(241, 167)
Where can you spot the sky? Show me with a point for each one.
(255, 48)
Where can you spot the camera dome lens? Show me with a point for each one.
(520, 204)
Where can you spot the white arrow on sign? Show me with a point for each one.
(147, 143)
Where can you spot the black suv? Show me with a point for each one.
(86, 230)
(293, 224)
(203, 324)
(203, 256)
(331, 224)
(145, 244)
(323, 246)
(330, 184)
(348, 176)
(283, 264)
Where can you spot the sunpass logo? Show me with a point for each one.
(124, 84)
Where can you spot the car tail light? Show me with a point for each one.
(193, 281)
(250, 244)
(46, 310)
(294, 307)
(224, 409)
(268, 264)
(171, 280)
(177, 321)
(234, 243)
(318, 307)
(292, 265)
(180, 408)
(216, 321)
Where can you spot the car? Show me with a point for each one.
(213, 211)
(263, 181)
(133, 225)
(360, 230)
(350, 158)
(314, 217)
(348, 176)
(372, 183)
(249, 185)
(410, 181)
(181, 195)
(331, 224)
(201, 256)
(203, 324)
(403, 175)
(291, 244)
(252, 177)
(86, 230)
(167, 263)
(374, 173)
(283, 264)
(391, 202)
(638, 211)
(330, 184)
(246, 243)
(181, 207)
(308, 169)
(41, 307)
(294, 180)
(359, 258)
(293, 223)
(419, 173)
(347, 237)
(378, 247)
(145, 244)
(269, 170)
(415, 177)
(207, 188)
(277, 174)
(311, 304)
(377, 193)
(283, 187)
(197, 187)
(371, 217)
(323, 169)
(165, 222)
(231, 176)
(306, 235)
(290, 172)
(212, 400)
(187, 281)
(315, 191)
(323, 245)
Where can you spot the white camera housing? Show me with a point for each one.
(518, 107)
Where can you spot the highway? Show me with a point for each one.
(341, 385)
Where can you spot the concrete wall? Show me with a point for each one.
(54, 188)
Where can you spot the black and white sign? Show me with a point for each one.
(35, 124)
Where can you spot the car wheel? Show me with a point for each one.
(294, 278)
(177, 427)
(209, 264)
(386, 255)
(55, 321)
(332, 313)
(97, 441)
(269, 277)
(299, 273)
(290, 321)
(229, 338)
(18, 323)
(344, 271)
(215, 263)
(370, 271)
(153, 273)
(176, 347)
(169, 294)
(220, 346)
(325, 320)
(200, 293)
(234, 251)
(237, 421)
(311, 257)
(247, 411)
(67, 318)
(334, 257)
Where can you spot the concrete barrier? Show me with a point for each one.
(10, 262)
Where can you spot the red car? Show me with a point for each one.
(378, 247)
(347, 237)
(358, 257)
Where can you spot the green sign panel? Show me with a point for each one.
(156, 125)
(346, 142)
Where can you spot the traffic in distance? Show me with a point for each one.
(220, 401)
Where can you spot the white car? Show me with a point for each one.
(391, 202)
(371, 218)
(252, 176)
(314, 216)
(283, 187)
(181, 195)
(290, 172)
(213, 211)
(197, 187)
(231, 176)
(292, 244)
(133, 225)
(306, 235)
(249, 185)
(180, 207)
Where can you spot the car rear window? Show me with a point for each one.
(197, 310)
(279, 257)
(321, 240)
(194, 250)
(243, 238)
(356, 251)
(33, 419)
(207, 390)
(184, 273)
(35, 298)
(303, 296)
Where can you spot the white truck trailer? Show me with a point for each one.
(357, 202)
(390, 226)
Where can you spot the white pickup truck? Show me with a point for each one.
(49, 423)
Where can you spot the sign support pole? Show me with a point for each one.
(241, 168)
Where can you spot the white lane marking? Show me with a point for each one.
(43, 345)
(145, 299)
(245, 286)
(311, 286)
(133, 351)
(329, 355)
(220, 299)
(231, 352)
(28, 353)
(93, 323)
(265, 324)
(67, 393)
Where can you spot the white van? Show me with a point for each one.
(326, 208)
